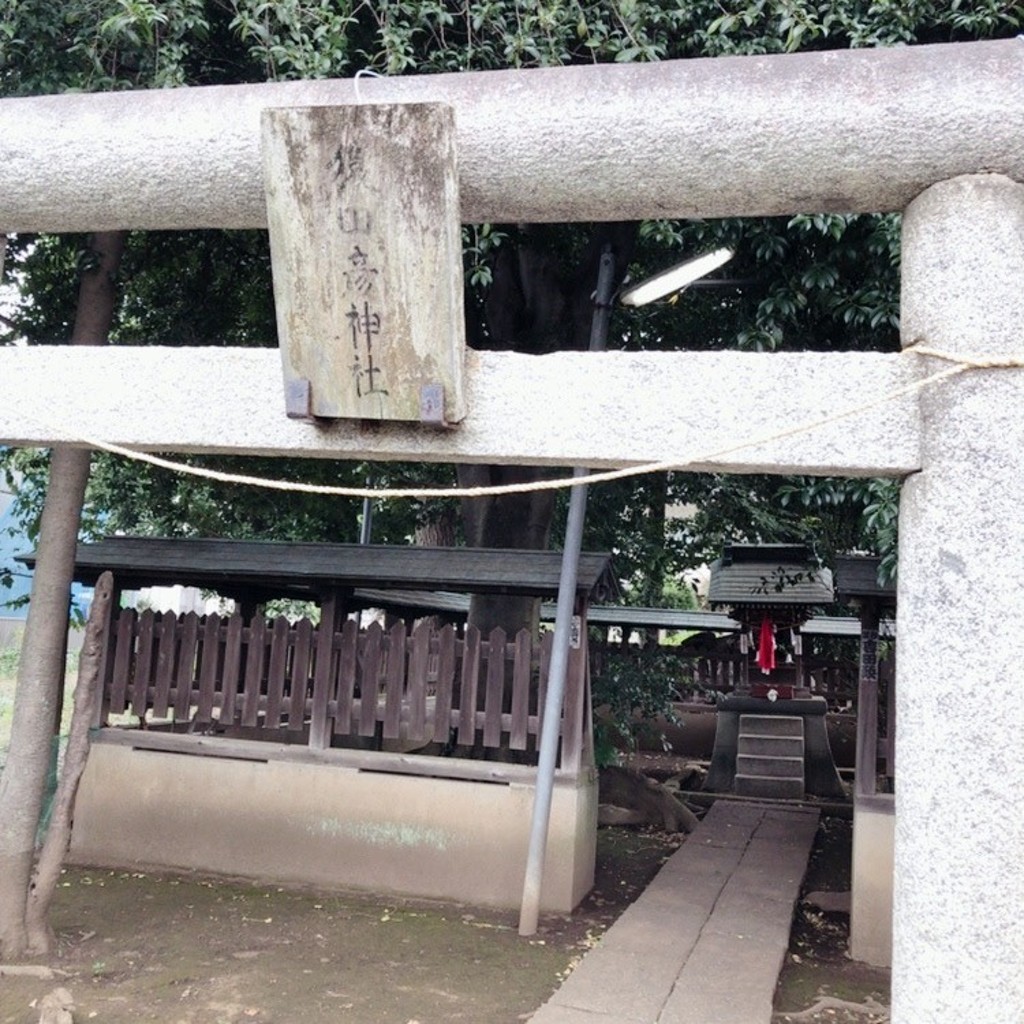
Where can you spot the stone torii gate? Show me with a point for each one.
(937, 132)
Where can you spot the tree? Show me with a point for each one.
(136, 34)
(539, 300)
(816, 281)
(41, 666)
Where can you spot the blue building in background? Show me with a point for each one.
(11, 545)
(14, 542)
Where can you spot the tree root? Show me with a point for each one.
(629, 797)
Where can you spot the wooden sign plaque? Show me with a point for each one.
(365, 238)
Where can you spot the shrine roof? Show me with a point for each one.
(857, 578)
(306, 570)
(413, 603)
(769, 575)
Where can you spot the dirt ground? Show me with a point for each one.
(189, 950)
(818, 972)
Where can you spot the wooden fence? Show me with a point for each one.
(836, 681)
(281, 681)
(699, 676)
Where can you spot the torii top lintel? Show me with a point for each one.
(850, 130)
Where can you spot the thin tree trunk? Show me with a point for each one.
(22, 787)
(41, 667)
(58, 835)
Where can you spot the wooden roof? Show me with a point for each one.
(412, 603)
(768, 575)
(857, 577)
(285, 569)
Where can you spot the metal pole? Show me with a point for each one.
(530, 908)
(366, 524)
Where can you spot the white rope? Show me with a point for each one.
(363, 73)
(960, 364)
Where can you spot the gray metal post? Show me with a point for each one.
(366, 523)
(530, 908)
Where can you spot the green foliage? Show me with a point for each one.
(9, 657)
(479, 244)
(633, 687)
(881, 521)
(292, 39)
(293, 610)
(849, 515)
(95, 45)
(678, 594)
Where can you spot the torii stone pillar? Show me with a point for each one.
(958, 949)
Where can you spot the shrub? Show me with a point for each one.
(631, 689)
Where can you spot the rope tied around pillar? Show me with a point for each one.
(965, 362)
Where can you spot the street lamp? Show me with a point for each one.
(676, 278)
(666, 283)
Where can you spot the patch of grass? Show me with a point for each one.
(9, 658)
(6, 709)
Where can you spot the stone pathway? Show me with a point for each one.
(705, 941)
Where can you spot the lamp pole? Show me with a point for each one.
(672, 280)
(530, 907)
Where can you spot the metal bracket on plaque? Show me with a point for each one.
(432, 404)
(366, 247)
(298, 398)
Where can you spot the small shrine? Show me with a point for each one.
(770, 737)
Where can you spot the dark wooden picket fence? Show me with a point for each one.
(833, 680)
(696, 677)
(288, 682)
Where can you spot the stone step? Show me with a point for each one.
(769, 788)
(770, 746)
(773, 767)
(772, 725)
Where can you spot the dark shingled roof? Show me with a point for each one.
(285, 569)
(857, 577)
(768, 575)
(412, 603)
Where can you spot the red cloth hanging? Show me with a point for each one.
(766, 646)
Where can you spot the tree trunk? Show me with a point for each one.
(58, 835)
(535, 304)
(36, 700)
(41, 667)
(505, 521)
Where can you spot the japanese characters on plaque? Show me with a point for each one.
(362, 207)
(365, 311)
